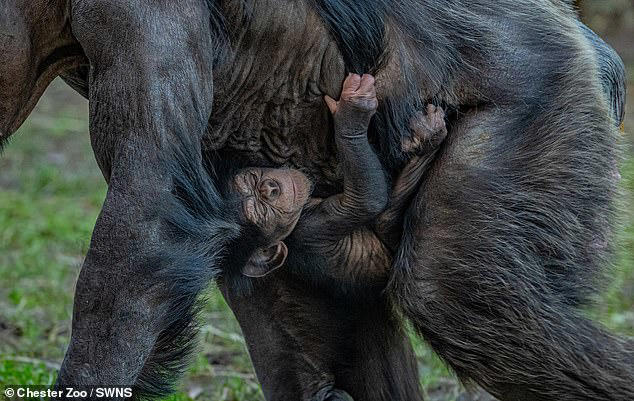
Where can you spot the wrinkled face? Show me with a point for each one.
(272, 199)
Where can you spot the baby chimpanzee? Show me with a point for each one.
(346, 240)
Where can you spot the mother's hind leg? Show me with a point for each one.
(307, 345)
(501, 243)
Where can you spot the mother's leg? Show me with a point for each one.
(150, 98)
(504, 241)
(307, 345)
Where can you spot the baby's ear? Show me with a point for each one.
(266, 259)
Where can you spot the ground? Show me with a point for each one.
(50, 194)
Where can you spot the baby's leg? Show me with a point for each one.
(428, 132)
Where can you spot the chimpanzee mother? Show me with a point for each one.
(503, 242)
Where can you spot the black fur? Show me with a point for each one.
(505, 240)
(452, 39)
(508, 237)
(612, 72)
(448, 38)
(218, 30)
(359, 29)
(202, 223)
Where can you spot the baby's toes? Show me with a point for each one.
(420, 126)
(410, 145)
(417, 120)
(437, 119)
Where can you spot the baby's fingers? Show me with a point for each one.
(351, 83)
(367, 85)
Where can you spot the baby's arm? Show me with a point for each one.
(365, 190)
(428, 132)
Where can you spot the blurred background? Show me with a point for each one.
(50, 194)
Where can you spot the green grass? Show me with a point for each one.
(25, 373)
(616, 307)
(50, 194)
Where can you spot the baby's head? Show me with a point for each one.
(271, 201)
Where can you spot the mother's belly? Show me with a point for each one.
(283, 133)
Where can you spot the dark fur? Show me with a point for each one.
(504, 242)
(202, 226)
(449, 40)
(499, 303)
(359, 31)
(466, 39)
(546, 261)
(165, 225)
(612, 71)
(305, 343)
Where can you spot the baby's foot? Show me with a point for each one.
(428, 130)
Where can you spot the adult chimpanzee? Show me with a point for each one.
(503, 242)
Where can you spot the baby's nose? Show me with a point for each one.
(269, 190)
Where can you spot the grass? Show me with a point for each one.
(50, 194)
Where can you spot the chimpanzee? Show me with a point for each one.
(502, 244)
(345, 242)
(348, 237)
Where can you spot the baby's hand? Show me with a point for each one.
(357, 103)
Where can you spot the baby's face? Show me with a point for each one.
(272, 199)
